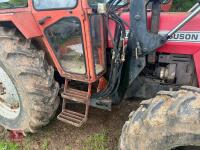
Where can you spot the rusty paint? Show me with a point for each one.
(71, 117)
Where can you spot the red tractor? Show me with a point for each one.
(97, 53)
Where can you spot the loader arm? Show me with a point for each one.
(147, 42)
(142, 42)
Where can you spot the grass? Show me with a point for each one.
(45, 144)
(9, 146)
(68, 148)
(97, 141)
(25, 145)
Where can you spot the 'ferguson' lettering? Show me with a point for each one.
(185, 36)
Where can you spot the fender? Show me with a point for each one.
(27, 27)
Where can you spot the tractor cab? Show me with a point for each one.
(76, 38)
(75, 33)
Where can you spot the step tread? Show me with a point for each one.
(75, 95)
(75, 91)
(71, 117)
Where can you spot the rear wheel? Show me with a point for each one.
(27, 88)
(168, 121)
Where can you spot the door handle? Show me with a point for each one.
(43, 20)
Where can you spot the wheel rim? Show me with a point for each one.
(9, 97)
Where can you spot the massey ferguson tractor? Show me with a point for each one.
(95, 53)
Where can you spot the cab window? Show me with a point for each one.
(53, 4)
(94, 3)
(10, 4)
(65, 37)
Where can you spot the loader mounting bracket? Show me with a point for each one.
(147, 42)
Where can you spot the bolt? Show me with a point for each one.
(139, 65)
(137, 17)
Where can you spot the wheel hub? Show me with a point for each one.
(9, 97)
(2, 89)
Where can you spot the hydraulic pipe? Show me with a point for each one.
(194, 7)
(155, 19)
(185, 21)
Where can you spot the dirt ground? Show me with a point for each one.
(101, 132)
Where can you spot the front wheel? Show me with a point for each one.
(28, 90)
(168, 121)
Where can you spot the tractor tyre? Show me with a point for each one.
(168, 121)
(28, 91)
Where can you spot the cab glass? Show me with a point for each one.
(53, 4)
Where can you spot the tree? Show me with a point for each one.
(183, 5)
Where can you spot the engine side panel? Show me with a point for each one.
(185, 42)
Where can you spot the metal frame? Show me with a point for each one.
(82, 43)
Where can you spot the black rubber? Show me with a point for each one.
(34, 81)
(169, 120)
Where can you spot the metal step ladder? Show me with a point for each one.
(80, 97)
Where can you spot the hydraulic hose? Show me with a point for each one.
(116, 63)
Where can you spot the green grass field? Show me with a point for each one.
(9, 146)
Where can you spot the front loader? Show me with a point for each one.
(95, 53)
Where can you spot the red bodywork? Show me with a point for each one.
(168, 21)
(26, 20)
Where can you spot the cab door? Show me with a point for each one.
(65, 27)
